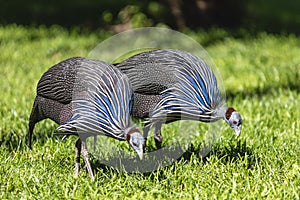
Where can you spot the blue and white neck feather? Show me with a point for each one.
(194, 96)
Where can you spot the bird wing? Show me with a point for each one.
(147, 72)
(57, 83)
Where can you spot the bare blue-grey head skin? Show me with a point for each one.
(172, 85)
(86, 97)
(136, 140)
(234, 120)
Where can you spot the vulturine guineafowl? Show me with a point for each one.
(172, 85)
(89, 98)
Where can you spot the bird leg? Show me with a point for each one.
(85, 155)
(157, 135)
(78, 152)
(29, 133)
(34, 118)
(146, 131)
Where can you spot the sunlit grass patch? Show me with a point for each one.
(261, 78)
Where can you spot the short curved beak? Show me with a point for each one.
(140, 152)
(238, 131)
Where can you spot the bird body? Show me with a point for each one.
(86, 97)
(102, 102)
(143, 104)
(178, 86)
(54, 94)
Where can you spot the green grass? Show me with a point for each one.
(261, 77)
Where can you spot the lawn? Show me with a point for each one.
(261, 75)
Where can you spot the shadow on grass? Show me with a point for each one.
(234, 152)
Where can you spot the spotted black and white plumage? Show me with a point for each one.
(179, 86)
(92, 97)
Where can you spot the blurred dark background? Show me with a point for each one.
(275, 16)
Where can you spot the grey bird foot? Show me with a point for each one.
(77, 168)
(80, 148)
(85, 155)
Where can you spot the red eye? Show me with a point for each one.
(234, 122)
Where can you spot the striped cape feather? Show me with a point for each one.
(195, 94)
(102, 102)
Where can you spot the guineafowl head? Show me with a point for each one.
(234, 120)
(136, 140)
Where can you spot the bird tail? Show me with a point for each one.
(34, 118)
